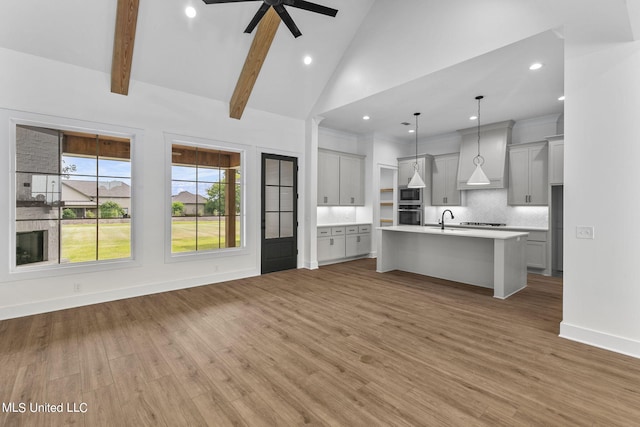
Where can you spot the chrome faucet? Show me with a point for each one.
(442, 221)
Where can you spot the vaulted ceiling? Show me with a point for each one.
(203, 56)
(353, 55)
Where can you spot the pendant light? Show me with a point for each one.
(416, 181)
(478, 177)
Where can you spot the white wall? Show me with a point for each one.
(73, 95)
(602, 130)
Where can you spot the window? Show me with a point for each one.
(205, 199)
(73, 197)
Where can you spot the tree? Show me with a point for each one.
(111, 209)
(68, 214)
(216, 198)
(177, 209)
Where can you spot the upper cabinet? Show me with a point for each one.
(494, 139)
(406, 168)
(528, 179)
(351, 181)
(328, 178)
(444, 191)
(340, 179)
(556, 159)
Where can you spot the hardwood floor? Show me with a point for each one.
(342, 345)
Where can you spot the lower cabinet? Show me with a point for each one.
(343, 242)
(330, 248)
(537, 250)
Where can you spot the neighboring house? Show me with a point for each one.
(193, 203)
(86, 196)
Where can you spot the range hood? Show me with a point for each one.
(494, 138)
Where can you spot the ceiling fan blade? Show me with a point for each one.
(257, 17)
(286, 18)
(312, 7)
(224, 1)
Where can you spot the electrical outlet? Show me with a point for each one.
(584, 232)
(77, 287)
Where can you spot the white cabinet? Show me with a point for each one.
(328, 178)
(406, 168)
(556, 160)
(444, 173)
(358, 240)
(331, 243)
(343, 242)
(528, 179)
(340, 179)
(537, 250)
(351, 181)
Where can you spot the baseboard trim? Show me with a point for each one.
(63, 303)
(598, 339)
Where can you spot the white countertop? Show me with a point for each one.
(457, 232)
(343, 224)
(489, 227)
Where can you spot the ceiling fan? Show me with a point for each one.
(278, 6)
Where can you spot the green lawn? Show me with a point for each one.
(210, 235)
(79, 240)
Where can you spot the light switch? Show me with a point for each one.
(584, 232)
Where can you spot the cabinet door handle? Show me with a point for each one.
(325, 199)
(353, 200)
(358, 239)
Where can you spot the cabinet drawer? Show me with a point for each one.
(537, 236)
(325, 231)
(364, 229)
(352, 229)
(337, 231)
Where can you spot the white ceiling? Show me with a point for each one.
(446, 98)
(201, 56)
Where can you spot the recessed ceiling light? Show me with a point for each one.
(473, 118)
(190, 11)
(307, 60)
(365, 117)
(561, 98)
(535, 66)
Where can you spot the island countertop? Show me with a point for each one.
(461, 232)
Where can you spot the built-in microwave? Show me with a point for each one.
(409, 196)
(409, 215)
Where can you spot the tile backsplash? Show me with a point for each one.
(491, 206)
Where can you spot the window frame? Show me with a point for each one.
(36, 271)
(208, 144)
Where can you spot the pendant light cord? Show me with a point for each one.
(479, 160)
(415, 165)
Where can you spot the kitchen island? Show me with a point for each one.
(489, 258)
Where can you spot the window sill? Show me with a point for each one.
(205, 255)
(26, 272)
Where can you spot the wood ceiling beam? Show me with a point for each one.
(125, 35)
(255, 58)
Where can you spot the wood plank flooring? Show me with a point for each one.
(341, 346)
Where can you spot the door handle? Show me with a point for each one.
(358, 239)
(353, 200)
(325, 199)
(331, 242)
